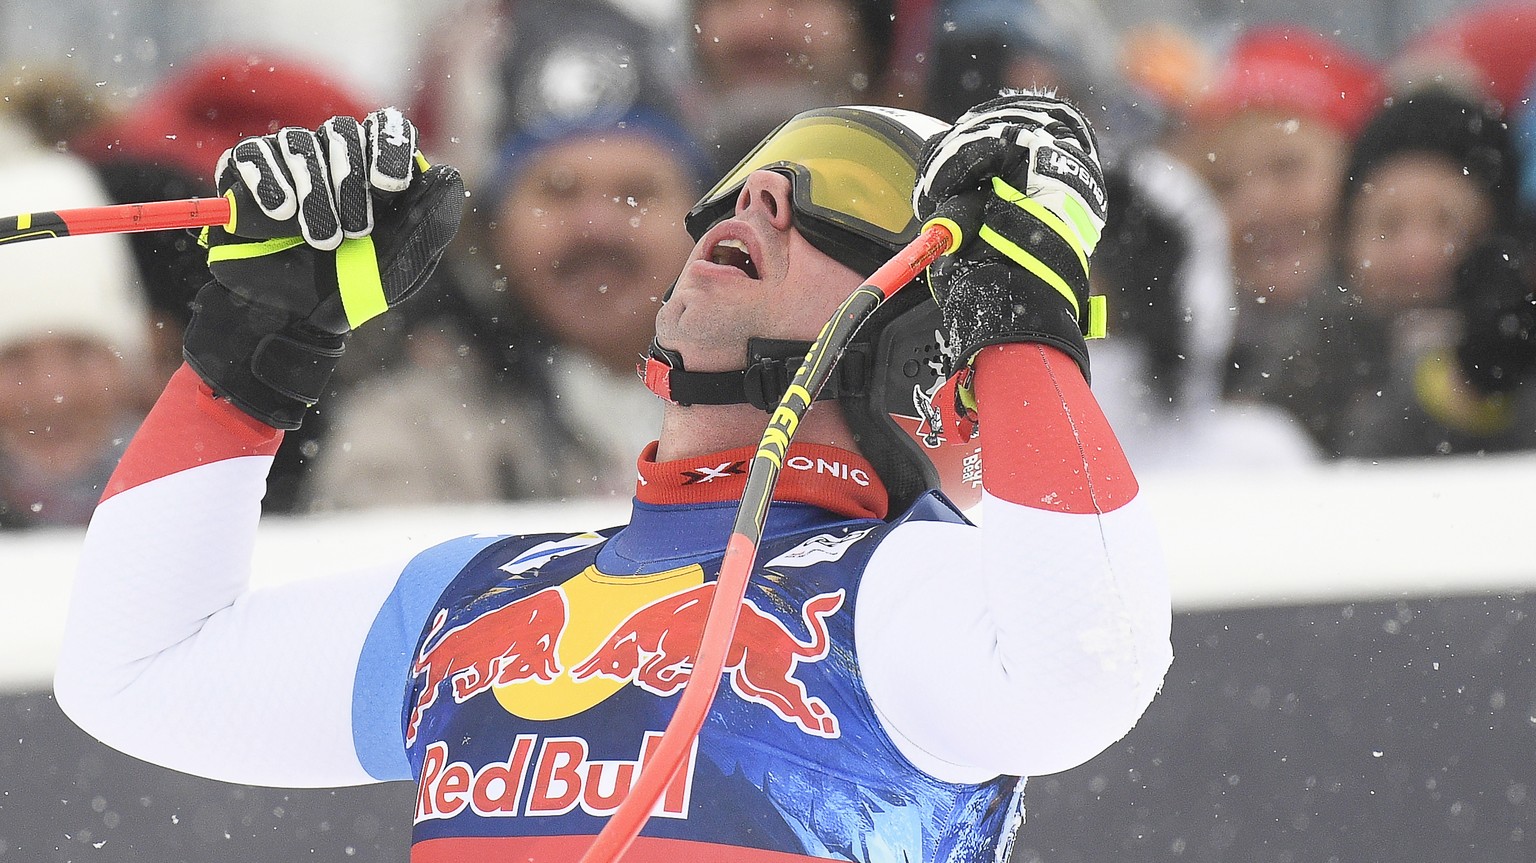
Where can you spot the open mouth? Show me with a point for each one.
(733, 253)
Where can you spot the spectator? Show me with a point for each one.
(1158, 374)
(1429, 226)
(58, 107)
(1488, 52)
(72, 344)
(53, 101)
(529, 388)
(1271, 135)
(757, 63)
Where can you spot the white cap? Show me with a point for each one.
(86, 286)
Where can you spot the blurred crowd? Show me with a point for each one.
(1313, 253)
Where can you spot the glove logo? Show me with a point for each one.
(1062, 166)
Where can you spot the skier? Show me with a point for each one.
(896, 669)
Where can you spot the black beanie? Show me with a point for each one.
(1473, 136)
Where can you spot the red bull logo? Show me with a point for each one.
(510, 644)
(562, 778)
(542, 657)
(655, 648)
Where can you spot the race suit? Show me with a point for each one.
(892, 678)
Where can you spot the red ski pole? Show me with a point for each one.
(741, 550)
(116, 219)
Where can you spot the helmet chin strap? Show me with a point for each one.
(771, 365)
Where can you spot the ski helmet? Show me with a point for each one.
(851, 171)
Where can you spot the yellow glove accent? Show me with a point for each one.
(357, 280)
(1438, 387)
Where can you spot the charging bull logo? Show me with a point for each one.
(510, 644)
(656, 647)
(564, 649)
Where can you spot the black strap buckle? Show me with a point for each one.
(771, 366)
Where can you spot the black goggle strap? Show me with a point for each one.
(771, 365)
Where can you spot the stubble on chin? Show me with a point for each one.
(708, 340)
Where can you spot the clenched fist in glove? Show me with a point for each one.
(1018, 179)
(330, 228)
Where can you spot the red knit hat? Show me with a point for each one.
(1493, 44)
(1293, 70)
(189, 119)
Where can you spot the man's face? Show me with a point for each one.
(62, 395)
(751, 276)
(1277, 180)
(590, 235)
(748, 44)
(1410, 224)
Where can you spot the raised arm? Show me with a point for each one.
(1028, 645)
(168, 654)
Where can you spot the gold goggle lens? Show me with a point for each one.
(855, 172)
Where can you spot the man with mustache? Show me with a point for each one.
(530, 357)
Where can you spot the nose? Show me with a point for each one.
(766, 194)
(605, 214)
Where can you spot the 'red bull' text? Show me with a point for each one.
(560, 779)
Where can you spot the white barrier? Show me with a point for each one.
(1339, 532)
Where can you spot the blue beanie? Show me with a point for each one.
(527, 143)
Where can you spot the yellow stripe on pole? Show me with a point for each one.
(357, 278)
(23, 221)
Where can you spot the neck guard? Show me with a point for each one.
(834, 479)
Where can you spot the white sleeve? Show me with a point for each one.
(1024, 648)
(170, 657)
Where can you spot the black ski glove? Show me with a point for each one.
(1493, 292)
(1024, 168)
(330, 228)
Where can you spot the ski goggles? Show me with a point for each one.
(851, 171)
